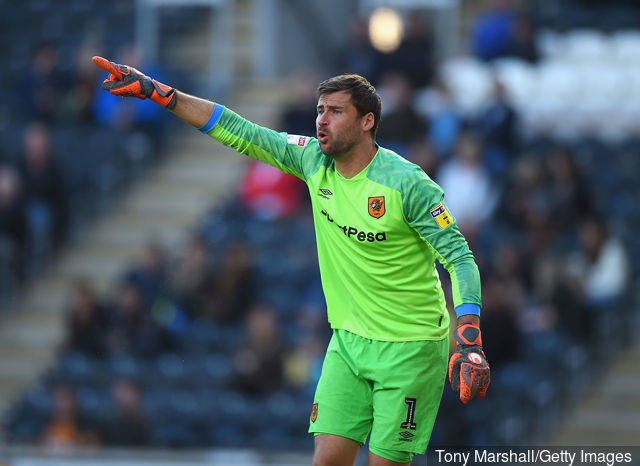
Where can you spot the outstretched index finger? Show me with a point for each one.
(107, 66)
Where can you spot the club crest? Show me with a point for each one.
(376, 206)
(314, 412)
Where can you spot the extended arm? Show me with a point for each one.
(278, 149)
(129, 82)
(193, 110)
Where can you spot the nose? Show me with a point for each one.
(322, 120)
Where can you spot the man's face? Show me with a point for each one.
(338, 125)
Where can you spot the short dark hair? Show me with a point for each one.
(363, 94)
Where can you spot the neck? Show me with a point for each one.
(354, 161)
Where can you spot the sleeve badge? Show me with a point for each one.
(297, 140)
(441, 216)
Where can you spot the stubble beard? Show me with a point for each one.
(340, 147)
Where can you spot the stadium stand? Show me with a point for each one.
(203, 345)
(68, 159)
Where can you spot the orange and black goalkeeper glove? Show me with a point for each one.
(126, 81)
(469, 371)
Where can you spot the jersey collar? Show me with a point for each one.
(362, 173)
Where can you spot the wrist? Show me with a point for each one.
(468, 319)
(163, 95)
(468, 334)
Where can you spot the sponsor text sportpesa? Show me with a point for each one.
(352, 232)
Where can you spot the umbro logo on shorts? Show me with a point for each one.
(406, 436)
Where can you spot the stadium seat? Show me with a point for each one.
(215, 370)
(125, 366)
(78, 368)
(586, 45)
(95, 404)
(626, 47)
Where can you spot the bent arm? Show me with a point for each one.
(193, 110)
(427, 213)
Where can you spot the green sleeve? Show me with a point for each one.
(285, 152)
(427, 214)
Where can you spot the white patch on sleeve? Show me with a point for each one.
(297, 140)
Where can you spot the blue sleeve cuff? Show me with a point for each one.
(467, 308)
(213, 119)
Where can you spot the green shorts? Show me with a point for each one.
(391, 389)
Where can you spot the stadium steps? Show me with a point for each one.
(610, 414)
(196, 174)
(190, 50)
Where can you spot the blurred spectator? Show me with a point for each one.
(567, 186)
(525, 195)
(600, 268)
(499, 324)
(299, 116)
(192, 271)
(523, 43)
(469, 193)
(444, 122)
(414, 57)
(78, 103)
(400, 124)
(13, 227)
(497, 126)
(150, 276)
(127, 425)
(149, 273)
(268, 193)
(86, 322)
(131, 329)
(493, 32)
(228, 293)
(304, 364)
(503, 297)
(65, 428)
(422, 154)
(311, 316)
(595, 280)
(44, 190)
(43, 85)
(359, 55)
(258, 364)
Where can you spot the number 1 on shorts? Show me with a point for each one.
(411, 412)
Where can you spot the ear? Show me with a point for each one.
(367, 122)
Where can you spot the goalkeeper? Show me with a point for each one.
(380, 225)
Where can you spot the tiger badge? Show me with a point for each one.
(376, 206)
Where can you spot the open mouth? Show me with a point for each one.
(322, 137)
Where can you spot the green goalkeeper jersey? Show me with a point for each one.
(378, 233)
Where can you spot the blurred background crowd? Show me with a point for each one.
(219, 341)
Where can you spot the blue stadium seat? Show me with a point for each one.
(95, 404)
(78, 368)
(127, 366)
(215, 370)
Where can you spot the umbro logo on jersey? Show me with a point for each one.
(326, 193)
